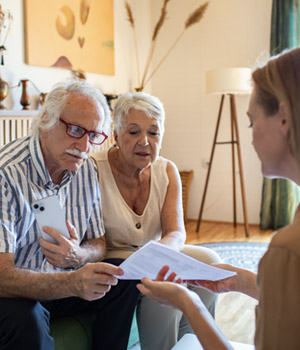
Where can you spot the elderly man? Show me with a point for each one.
(41, 280)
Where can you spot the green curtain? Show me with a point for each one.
(285, 29)
(280, 197)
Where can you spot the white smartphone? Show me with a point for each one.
(48, 212)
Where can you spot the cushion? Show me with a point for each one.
(75, 333)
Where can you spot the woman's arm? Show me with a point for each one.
(173, 230)
(175, 295)
(244, 281)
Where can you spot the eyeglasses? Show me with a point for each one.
(96, 138)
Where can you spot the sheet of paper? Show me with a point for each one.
(147, 261)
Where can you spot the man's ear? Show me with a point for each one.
(284, 121)
(116, 138)
(44, 118)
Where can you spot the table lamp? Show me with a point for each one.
(228, 82)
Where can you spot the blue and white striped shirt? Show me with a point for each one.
(24, 178)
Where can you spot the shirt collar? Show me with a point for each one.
(40, 165)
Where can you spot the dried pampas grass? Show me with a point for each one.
(131, 21)
(157, 28)
(192, 19)
(161, 20)
(196, 16)
(129, 14)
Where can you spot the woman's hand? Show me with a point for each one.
(244, 281)
(176, 295)
(171, 278)
(164, 291)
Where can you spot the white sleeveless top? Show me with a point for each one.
(124, 229)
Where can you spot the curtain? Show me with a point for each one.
(280, 197)
(284, 25)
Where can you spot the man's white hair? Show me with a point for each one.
(56, 100)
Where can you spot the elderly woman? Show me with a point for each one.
(142, 201)
(274, 113)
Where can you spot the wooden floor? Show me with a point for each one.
(235, 313)
(211, 231)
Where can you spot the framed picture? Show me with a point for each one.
(70, 34)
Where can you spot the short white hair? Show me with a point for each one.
(56, 100)
(150, 105)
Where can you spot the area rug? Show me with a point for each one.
(241, 254)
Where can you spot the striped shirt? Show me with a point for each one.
(24, 178)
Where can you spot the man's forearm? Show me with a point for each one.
(35, 285)
(90, 282)
(93, 250)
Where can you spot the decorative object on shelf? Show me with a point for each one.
(2, 49)
(109, 98)
(5, 24)
(228, 82)
(78, 74)
(25, 99)
(192, 19)
(42, 98)
(3, 92)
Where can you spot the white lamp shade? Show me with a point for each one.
(229, 81)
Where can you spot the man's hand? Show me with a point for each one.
(93, 281)
(67, 252)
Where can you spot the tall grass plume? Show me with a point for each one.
(192, 19)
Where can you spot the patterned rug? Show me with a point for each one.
(241, 254)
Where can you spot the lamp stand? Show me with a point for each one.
(235, 141)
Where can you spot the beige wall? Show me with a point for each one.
(233, 33)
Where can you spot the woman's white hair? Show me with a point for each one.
(150, 105)
(56, 100)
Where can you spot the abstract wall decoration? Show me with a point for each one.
(70, 34)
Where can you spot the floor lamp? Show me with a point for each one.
(228, 82)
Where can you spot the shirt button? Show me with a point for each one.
(138, 225)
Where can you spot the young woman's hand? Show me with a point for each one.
(244, 281)
(167, 291)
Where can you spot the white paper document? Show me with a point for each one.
(148, 260)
